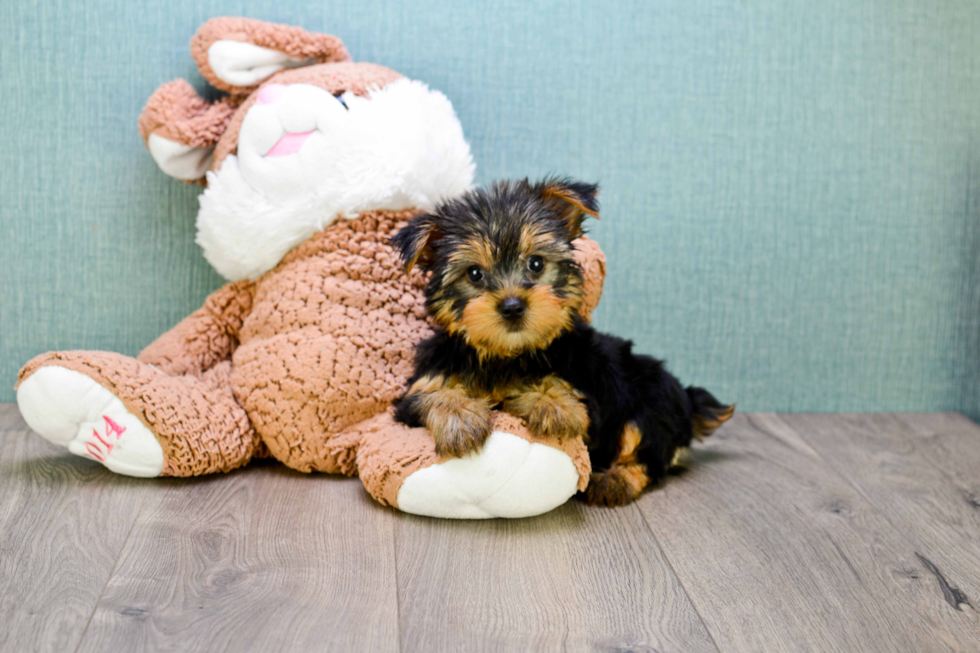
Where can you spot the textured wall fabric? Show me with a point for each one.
(791, 190)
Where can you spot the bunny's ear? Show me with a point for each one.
(181, 129)
(237, 54)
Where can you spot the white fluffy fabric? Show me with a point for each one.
(71, 410)
(400, 147)
(509, 477)
(244, 64)
(178, 160)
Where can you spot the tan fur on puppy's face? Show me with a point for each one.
(483, 327)
(488, 249)
(470, 310)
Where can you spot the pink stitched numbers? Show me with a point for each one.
(97, 452)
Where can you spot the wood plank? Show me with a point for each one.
(577, 578)
(10, 418)
(261, 559)
(923, 473)
(779, 553)
(810, 532)
(64, 521)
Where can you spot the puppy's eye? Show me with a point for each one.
(535, 264)
(474, 274)
(340, 98)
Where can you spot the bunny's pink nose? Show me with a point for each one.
(269, 93)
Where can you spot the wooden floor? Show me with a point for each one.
(787, 532)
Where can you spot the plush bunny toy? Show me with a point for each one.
(311, 163)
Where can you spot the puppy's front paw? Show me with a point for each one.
(460, 429)
(555, 411)
(560, 419)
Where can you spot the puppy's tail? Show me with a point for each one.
(707, 413)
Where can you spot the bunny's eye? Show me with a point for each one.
(340, 98)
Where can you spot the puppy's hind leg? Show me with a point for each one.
(625, 479)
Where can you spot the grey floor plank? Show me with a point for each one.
(923, 473)
(63, 523)
(263, 559)
(575, 579)
(815, 532)
(10, 417)
(779, 553)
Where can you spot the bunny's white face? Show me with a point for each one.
(288, 133)
(306, 158)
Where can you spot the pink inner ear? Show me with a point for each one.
(289, 144)
(269, 93)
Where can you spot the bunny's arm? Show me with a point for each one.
(207, 336)
(592, 260)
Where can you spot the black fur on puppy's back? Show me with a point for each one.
(623, 388)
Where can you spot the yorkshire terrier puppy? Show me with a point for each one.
(505, 294)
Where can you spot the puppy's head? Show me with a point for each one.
(503, 273)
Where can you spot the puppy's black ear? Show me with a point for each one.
(415, 241)
(573, 200)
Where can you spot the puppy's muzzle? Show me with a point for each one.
(512, 308)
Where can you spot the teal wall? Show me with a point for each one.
(791, 188)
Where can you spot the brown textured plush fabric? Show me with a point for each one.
(306, 360)
(593, 261)
(199, 425)
(329, 340)
(293, 41)
(205, 337)
(176, 112)
(388, 453)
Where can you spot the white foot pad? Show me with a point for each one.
(509, 477)
(71, 410)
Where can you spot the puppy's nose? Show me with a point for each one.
(512, 308)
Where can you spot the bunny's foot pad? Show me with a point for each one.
(71, 410)
(509, 477)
